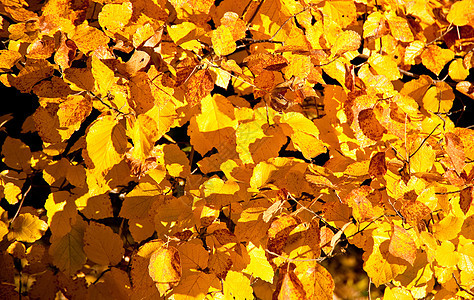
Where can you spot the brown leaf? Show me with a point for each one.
(370, 126)
(199, 86)
(465, 199)
(265, 61)
(378, 166)
(414, 212)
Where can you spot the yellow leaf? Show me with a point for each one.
(143, 132)
(342, 13)
(413, 51)
(12, 193)
(317, 281)
(445, 254)
(223, 41)
(88, 38)
(27, 228)
(8, 58)
(399, 27)
(237, 286)
(138, 202)
(165, 268)
(461, 13)
(106, 143)
(196, 286)
(384, 65)
(143, 285)
(422, 156)
(104, 77)
(142, 34)
(259, 265)
(376, 25)
(102, 245)
(34, 71)
(397, 293)
(114, 17)
(236, 25)
(176, 161)
(256, 141)
(61, 212)
(67, 251)
(347, 41)
(402, 244)
(457, 71)
(303, 133)
(448, 228)
(381, 266)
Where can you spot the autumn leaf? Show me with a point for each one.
(165, 268)
(27, 228)
(106, 143)
(102, 245)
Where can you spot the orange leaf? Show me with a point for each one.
(467, 88)
(465, 199)
(288, 285)
(414, 212)
(370, 126)
(455, 150)
(402, 244)
(435, 58)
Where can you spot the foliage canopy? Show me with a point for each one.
(178, 141)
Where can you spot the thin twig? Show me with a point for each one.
(423, 142)
(461, 288)
(21, 204)
(294, 259)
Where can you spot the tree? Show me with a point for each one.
(179, 143)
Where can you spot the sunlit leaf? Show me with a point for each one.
(27, 228)
(165, 268)
(106, 143)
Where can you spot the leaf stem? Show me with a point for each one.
(21, 204)
(424, 140)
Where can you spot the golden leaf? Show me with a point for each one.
(165, 268)
(237, 286)
(461, 13)
(88, 39)
(27, 228)
(106, 143)
(114, 17)
(223, 41)
(402, 244)
(259, 265)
